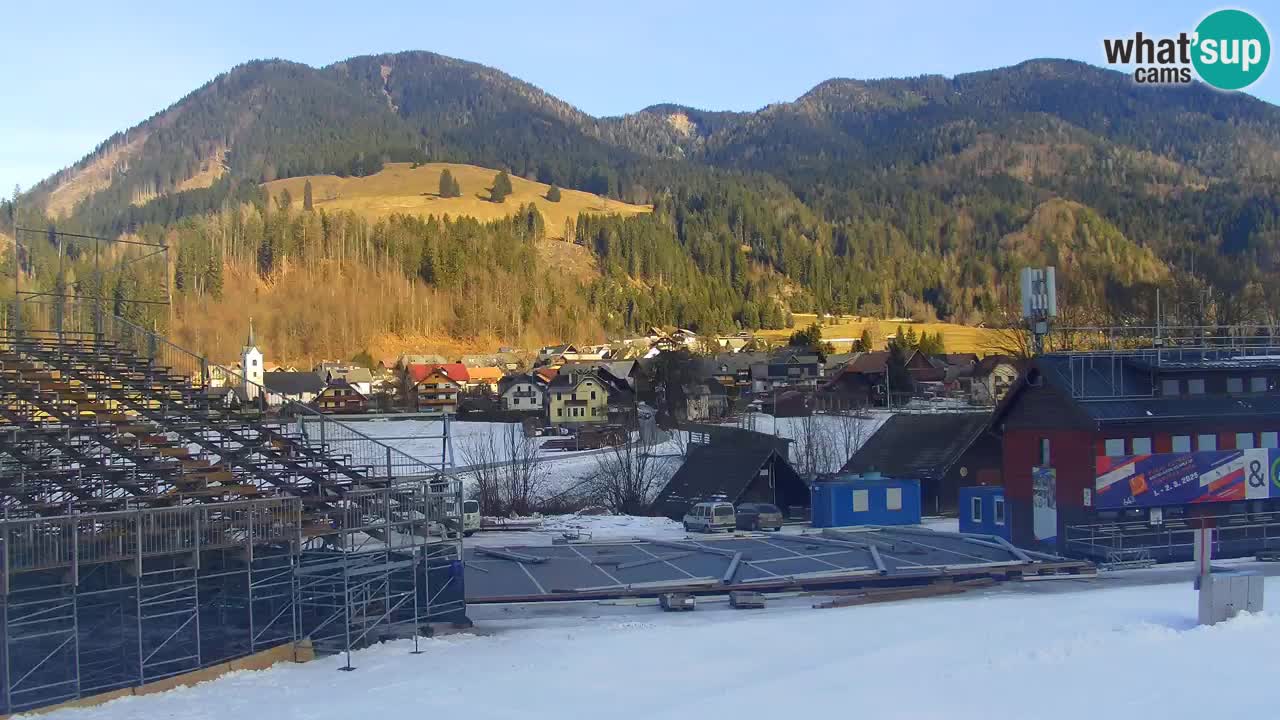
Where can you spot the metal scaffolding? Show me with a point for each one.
(150, 529)
(99, 601)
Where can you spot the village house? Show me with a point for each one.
(436, 392)
(992, 378)
(340, 396)
(734, 343)
(483, 378)
(705, 401)
(556, 355)
(858, 383)
(526, 392)
(786, 370)
(577, 397)
(625, 370)
(283, 387)
(357, 377)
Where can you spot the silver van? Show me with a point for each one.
(710, 517)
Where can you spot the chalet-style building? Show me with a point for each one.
(437, 392)
(341, 397)
(526, 392)
(1107, 455)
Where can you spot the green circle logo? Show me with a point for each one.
(1231, 49)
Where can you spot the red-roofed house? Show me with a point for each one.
(436, 392)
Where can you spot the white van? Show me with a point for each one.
(710, 517)
(470, 517)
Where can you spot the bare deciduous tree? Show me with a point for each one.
(521, 476)
(812, 449)
(849, 432)
(627, 477)
(507, 467)
(480, 452)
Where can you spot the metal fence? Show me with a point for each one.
(1173, 539)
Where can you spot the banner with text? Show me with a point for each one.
(1182, 478)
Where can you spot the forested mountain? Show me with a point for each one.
(916, 196)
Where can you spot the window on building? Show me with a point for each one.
(975, 509)
(593, 394)
(1170, 387)
(1181, 443)
(255, 362)
(893, 498)
(1115, 447)
(515, 401)
(1195, 386)
(559, 412)
(1044, 452)
(999, 511)
(1244, 441)
(1141, 445)
(1270, 440)
(1235, 385)
(861, 501)
(1206, 442)
(1257, 384)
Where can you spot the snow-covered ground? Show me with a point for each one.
(1114, 653)
(592, 527)
(565, 473)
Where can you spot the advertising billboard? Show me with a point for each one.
(1143, 481)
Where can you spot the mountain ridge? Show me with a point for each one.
(889, 196)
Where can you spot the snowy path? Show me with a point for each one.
(1063, 656)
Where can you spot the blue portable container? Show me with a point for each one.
(983, 511)
(869, 499)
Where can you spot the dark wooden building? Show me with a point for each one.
(734, 465)
(943, 451)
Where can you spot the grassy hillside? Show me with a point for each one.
(408, 190)
(841, 331)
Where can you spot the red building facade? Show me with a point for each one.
(1127, 444)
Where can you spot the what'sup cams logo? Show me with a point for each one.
(1228, 50)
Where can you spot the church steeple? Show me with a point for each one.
(249, 342)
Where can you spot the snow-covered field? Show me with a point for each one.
(564, 473)
(1013, 651)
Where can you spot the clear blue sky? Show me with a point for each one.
(77, 71)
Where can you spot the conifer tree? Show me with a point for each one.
(501, 187)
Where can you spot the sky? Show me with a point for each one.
(79, 70)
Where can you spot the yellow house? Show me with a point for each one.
(575, 398)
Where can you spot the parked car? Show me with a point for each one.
(470, 517)
(758, 516)
(709, 517)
